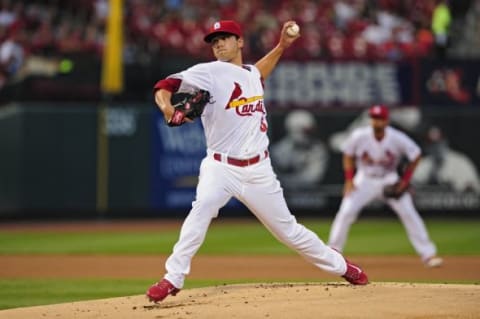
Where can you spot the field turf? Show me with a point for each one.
(367, 237)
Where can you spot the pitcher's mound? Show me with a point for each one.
(307, 300)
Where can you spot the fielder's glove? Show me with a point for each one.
(188, 105)
(395, 190)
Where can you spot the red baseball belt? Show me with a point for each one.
(241, 162)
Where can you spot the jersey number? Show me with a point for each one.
(263, 125)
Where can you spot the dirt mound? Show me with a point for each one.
(308, 300)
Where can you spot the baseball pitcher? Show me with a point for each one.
(237, 163)
(375, 152)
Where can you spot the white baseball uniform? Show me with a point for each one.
(237, 165)
(376, 166)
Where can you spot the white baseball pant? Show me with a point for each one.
(258, 188)
(366, 190)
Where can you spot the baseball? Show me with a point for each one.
(293, 30)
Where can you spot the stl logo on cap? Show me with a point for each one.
(379, 111)
(223, 26)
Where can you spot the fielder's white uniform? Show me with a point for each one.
(238, 165)
(376, 166)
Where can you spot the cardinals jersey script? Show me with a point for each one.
(242, 97)
(379, 158)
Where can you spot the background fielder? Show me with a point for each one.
(376, 152)
(237, 162)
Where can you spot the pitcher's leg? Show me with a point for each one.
(211, 195)
(270, 208)
(192, 235)
(416, 231)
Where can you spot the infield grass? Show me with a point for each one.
(367, 237)
(16, 293)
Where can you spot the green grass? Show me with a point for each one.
(452, 237)
(30, 292)
(367, 237)
(15, 293)
(372, 237)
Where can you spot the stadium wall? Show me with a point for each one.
(49, 142)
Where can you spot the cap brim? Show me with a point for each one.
(379, 117)
(209, 37)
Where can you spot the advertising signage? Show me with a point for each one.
(339, 84)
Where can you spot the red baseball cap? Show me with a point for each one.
(223, 26)
(379, 111)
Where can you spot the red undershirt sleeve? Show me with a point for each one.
(169, 84)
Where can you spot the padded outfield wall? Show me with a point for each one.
(49, 161)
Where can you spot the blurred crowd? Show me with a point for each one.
(331, 29)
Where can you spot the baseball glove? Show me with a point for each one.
(188, 105)
(394, 190)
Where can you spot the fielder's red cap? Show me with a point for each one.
(379, 111)
(224, 26)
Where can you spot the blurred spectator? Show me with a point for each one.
(424, 40)
(376, 34)
(311, 42)
(7, 15)
(441, 25)
(12, 56)
(43, 39)
(345, 12)
(336, 45)
(101, 10)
